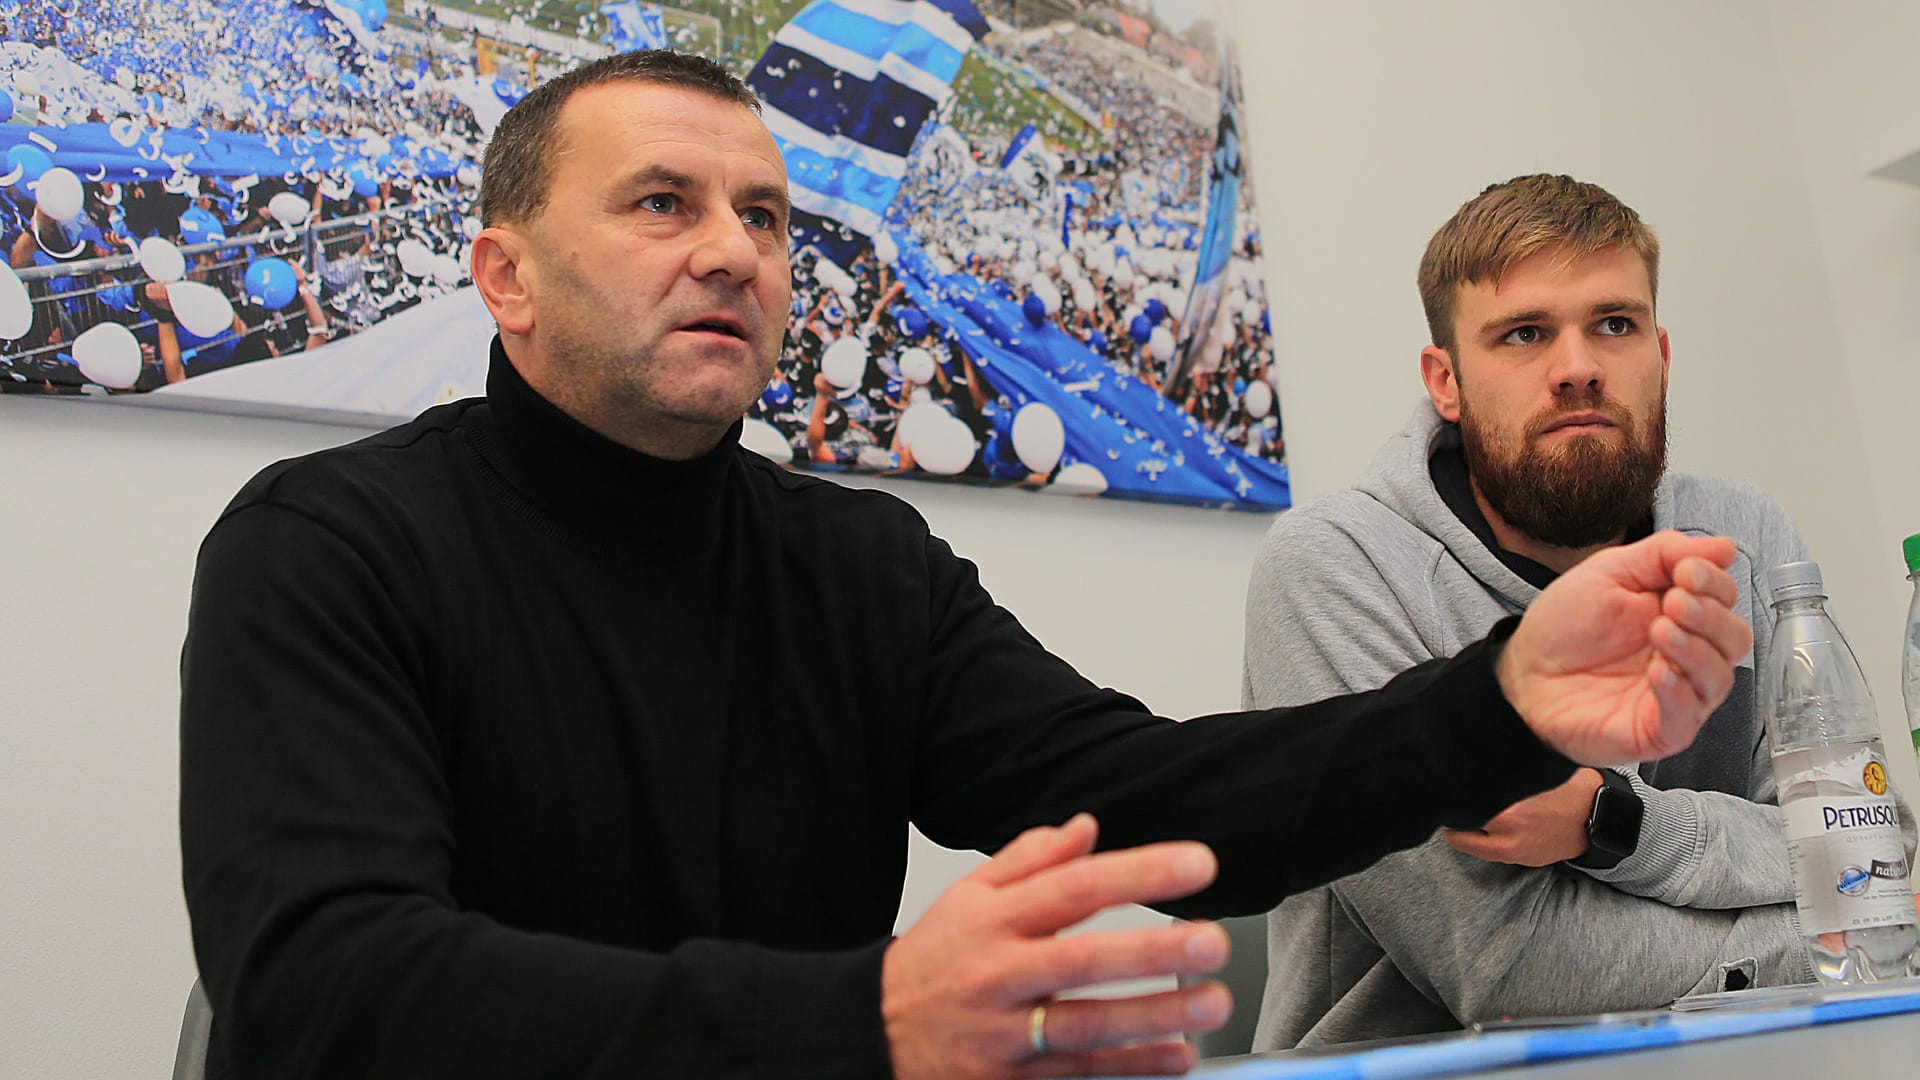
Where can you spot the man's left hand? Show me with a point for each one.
(1550, 827)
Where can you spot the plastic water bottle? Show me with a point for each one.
(1843, 823)
(1910, 658)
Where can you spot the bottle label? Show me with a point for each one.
(1849, 861)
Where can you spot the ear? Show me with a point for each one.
(1443, 383)
(505, 278)
(1666, 355)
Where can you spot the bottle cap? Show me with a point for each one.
(1795, 580)
(1912, 551)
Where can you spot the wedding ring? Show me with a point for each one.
(1037, 1030)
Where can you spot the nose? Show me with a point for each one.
(725, 247)
(1574, 367)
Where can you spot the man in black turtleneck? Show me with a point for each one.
(525, 739)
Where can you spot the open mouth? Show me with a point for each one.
(729, 327)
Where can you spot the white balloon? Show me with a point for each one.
(59, 194)
(764, 439)
(446, 270)
(945, 448)
(202, 309)
(885, 249)
(1049, 295)
(1082, 478)
(1084, 297)
(1259, 399)
(288, 208)
(1123, 273)
(1160, 344)
(1038, 437)
(108, 354)
(845, 361)
(1022, 273)
(830, 274)
(16, 307)
(921, 416)
(468, 174)
(917, 365)
(1211, 355)
(416, 258)
(161, 260)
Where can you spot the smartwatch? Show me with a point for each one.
(1613, 825)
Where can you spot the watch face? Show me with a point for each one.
(1615, 825)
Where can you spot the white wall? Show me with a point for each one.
(1789, 286)
(1851, 85)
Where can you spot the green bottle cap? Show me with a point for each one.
(1912, 550)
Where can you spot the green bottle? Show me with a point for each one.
(1910, 658)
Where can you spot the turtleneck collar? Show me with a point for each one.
(586, 480)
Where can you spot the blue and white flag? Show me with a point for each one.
(1216, 238)
(1019, 143)
(848, 85)
(631, 26)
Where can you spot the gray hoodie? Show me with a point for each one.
(1360, 585)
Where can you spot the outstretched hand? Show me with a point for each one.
(1624, 656)
(958, 991)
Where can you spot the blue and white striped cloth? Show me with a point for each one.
(848, 85)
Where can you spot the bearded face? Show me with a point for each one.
(1571, 491)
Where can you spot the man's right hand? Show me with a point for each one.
(958, 990)
(1622, 658)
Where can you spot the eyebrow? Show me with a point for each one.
(775, 194)
(649, 175)
(1609, 306)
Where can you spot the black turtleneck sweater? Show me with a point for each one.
(508, 751)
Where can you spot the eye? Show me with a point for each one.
(1615, 326)
(660, 202)
(1524, 335)
(758, 218)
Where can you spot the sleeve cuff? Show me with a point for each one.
(1669, 841)
(823, 1009)
(1492, 756)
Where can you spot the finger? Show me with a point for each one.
(1053, 964)
(1470, 842)
(1700, 661)
(1703, 578)
(1080, 1025)
(1039, 848)
(1682, 710)
(1151, 1059)
(1726, 631)
(1060, 896)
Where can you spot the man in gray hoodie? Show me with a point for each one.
(1543, 441)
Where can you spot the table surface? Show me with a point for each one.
(1881, 1045)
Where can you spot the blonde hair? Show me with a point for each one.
(1510, 221)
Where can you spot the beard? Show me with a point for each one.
(1582, 494)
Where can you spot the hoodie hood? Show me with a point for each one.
(1401, 478)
